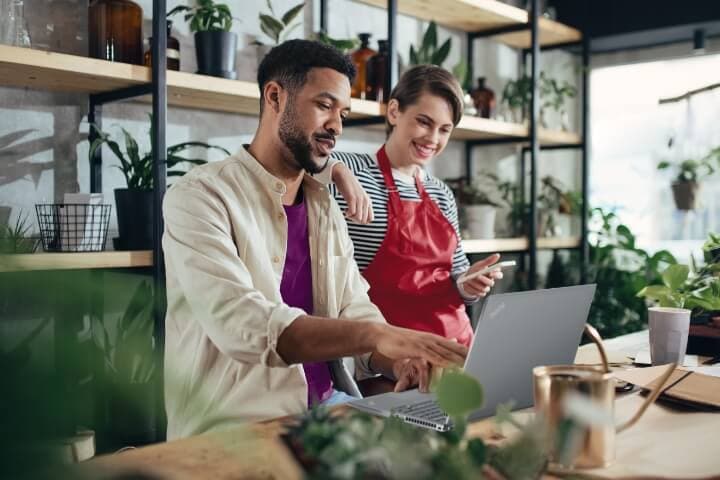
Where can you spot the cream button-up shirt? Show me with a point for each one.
(225, 243)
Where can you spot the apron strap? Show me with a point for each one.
(393, 193)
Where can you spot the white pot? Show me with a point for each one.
(480, 221)
(668, 334)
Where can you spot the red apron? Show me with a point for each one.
(409, 277)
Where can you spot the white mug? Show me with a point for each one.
(668, 334)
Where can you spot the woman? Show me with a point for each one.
(410, 252)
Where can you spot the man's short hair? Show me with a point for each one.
(289, 63)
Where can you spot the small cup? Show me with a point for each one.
(668, 334)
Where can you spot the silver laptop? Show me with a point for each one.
(515, 333)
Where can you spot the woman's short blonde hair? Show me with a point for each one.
(430, 79)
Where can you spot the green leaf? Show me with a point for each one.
(271, 27)
(292, 13)
(461, 71)
(478, 451)
(178, 9)
(655, 292)
(674, 276)
(413, 56)
(441, 54)
(459, 394)
(429, 41)
(270, 7)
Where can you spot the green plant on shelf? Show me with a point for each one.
(278, 28)
(206, 16)
(137, 167)
(553, 94)
(17, 238)
(430, 54)
(711, 248)
(555, 199)
(345, 45)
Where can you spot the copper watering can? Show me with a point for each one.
(553, 385)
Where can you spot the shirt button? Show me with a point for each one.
(280, 216)
(276, 259)
(321, 263)
(279, 186)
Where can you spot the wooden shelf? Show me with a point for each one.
(22, 67)
(477, 128)
(36, 69)
(75, 261)
(517, 244)
(484, 15)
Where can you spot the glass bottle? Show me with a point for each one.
(376, 72)
(116, 31)
(172, 52)
(360, 58)
(13, 25)
(484, 99)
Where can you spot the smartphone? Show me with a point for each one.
(495, 266)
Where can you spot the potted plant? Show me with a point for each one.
(17, 238)
(134, 204)
(430, 54)
(555, 199)
(478, 203)
(215, 44)
(553, 94)
(345, 45)
(690, 172)
(130, 357)
(276, 28)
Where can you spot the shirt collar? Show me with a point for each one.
(273, 183)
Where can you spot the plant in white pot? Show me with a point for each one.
(478, 203)
(215, 44)
(669, 321)
(686, 185)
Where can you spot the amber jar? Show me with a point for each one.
(116, 31)
(360, 58)
(376, 72)
(484, 99)
(173, 50)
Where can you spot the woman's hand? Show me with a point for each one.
(480, 286)
(359, 205)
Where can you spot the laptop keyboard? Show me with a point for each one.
(427, 410)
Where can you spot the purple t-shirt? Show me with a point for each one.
(296, 291)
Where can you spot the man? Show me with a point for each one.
(263, 291)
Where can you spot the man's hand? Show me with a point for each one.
(359, 205)
(480, 286)
(410, 373)
(398, 343)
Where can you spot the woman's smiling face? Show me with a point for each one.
(423, 129)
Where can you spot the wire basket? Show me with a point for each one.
(73, 227)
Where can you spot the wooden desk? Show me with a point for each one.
(664, 444)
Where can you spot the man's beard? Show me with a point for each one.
(295, 140)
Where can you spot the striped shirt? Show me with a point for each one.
(368, 238)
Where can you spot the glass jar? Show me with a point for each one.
(378, 80)
(13, 25)
(484, 99)
(172, 52)
(360, 58)
(116, 31)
